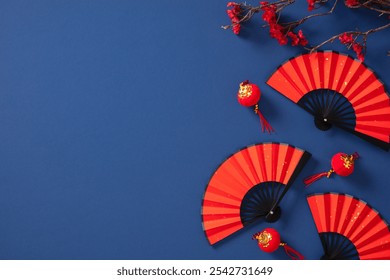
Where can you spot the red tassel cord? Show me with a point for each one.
(293, 254)
(311, 179)
(264, 123)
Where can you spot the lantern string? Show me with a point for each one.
(311, 179)
(265, 126)
(293, 254)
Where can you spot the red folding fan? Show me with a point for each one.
(248, 186)
(337, 90)
(349, 228)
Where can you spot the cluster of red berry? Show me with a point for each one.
(311, 4)
(269, 16)
(278, 31)
(234, 15)
(285, 32)
(348, 40)
(351, 3)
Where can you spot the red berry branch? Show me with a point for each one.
(285, 32)
(350, 40)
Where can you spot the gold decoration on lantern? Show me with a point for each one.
(264, 238)
(245, 90)
(348, 160)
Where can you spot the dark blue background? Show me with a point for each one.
(114, 115)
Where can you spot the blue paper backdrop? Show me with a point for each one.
(114, 115)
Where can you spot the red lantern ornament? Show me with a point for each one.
(249, 95)
(269, 241)
(342, 164)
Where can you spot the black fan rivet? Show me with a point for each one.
(273, 215)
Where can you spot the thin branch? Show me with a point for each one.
(380, 6)
(354, 33)
(248, 11)
(294, 24)
(285, 32)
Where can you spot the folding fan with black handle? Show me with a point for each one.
(349, 228)
(337, 90)
(249, 186)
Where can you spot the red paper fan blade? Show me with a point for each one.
(302, 77)
(374, 237)
(373, 230)
(221, 196)
(226, 183)
(308, 61)
(281, 82)
(291, 79)
(316, 208)
(365, 83)
(381, 115)
(379, 140)
(382, 133)
(352, 70)
(221, 223)
(213, 210)
(285, 158)
(374, 96)
(331, 65)
(215, 235)
(381, 252)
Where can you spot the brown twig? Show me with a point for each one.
(356, 34)
(247, 12)
(294, 24)
(380, 6)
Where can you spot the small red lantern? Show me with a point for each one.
(269, 241)
(342, 164)
(249, 95)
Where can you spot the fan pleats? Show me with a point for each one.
(355, 220)
(337, 247)
(258, 201)
(320, 72)
(259, 175)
